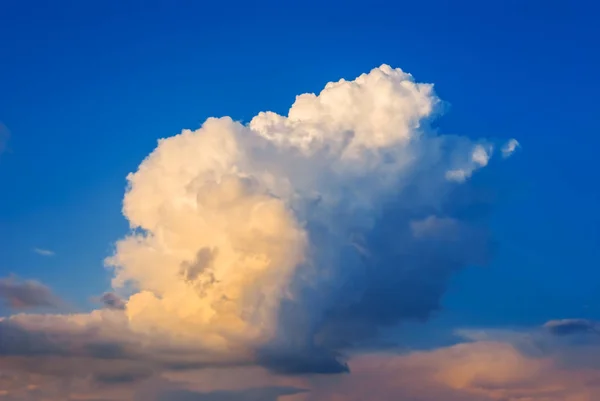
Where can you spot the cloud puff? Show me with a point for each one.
(509, 147)
(289, 240)
(478, 158)
(43, 252)
(26, 294)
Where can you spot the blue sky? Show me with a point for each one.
(87, 89)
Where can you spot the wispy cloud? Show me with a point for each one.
(43, 252)
(509, 148)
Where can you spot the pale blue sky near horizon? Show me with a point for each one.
(86, 90)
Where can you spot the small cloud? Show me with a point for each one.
(43, 252)
(26, 294)
(479, 158)
(509, 148)
(481, 155)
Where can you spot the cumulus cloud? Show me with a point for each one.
(20, 294)
(292, 235)
(287, 241)
(43, 252)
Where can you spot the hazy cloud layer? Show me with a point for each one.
(531, 365)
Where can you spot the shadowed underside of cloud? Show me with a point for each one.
(26, 294)
(284, 242)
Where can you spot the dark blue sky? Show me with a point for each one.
(87, 87)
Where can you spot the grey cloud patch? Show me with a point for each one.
(107, 350)
(566, 327)
(204, 258)
(251, 394)
(112, 301)
(199, 272)
(21, 341)
(26, 294)
(60, 352)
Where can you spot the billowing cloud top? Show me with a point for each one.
(288, 240)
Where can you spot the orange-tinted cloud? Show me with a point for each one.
(477, 371)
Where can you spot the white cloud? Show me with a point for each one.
(479, 158)
(509, 148)
(481, 155)
(43, 252)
